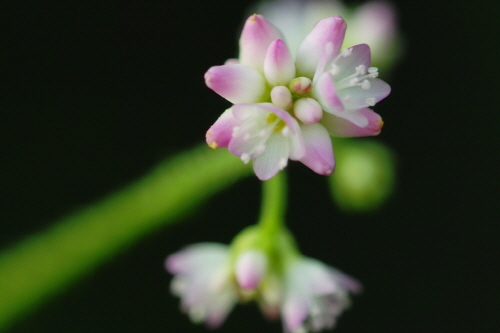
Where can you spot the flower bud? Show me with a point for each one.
(364, 176)
(308, 110)
(281, 97)
(251, 267)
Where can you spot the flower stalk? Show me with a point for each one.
(273, 205)
(47, 263)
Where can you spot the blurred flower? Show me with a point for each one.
(210, 278)
(315, 295)
(286, 109)
(373, 23)
(365, 177)
(203, 282)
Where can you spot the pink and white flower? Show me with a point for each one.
(314, 296)
(308, 294)
(374, 22)
(287, 109)
(203, 281)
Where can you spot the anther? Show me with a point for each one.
(334, 69)
(361, 69)
(370, 101)
(373, 72)
(346, 52)
(365, 84)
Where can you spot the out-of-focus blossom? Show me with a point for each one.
(365, 177)
(203, 281)
(373, 23)
(286, 108)
(314, 296)
(210, 278)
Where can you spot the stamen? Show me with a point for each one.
(354, 81)
(361, 69)
(334, 69)
(346, 52)
(373, 72)
(370, 101)
(365, 84)
(285, 131)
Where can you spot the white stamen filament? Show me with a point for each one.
(359, 78)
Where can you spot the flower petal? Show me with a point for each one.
(331, 29)
(279, 67)
(340, 127)
(221, 132)
(326, 95)
(185, 260)
(319, 152)
(255, 38)
(248, 137)
(346, 65)
(356, 97)
(295, 311)
(236, 83)
(273, 159)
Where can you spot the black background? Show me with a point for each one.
(94, 94)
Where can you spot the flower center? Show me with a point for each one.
(256, 131)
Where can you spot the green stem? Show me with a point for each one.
(49, 262)
(273, 204)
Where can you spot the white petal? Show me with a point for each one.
(271, 161)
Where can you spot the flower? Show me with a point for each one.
(287, 109)
(210, 278)
(314, 295)
(203, 282)
(373, 23)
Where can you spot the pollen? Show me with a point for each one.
(213, 145)
(271, 118)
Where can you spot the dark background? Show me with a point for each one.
(94, 94)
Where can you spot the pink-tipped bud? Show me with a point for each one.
(279, 67)
(300, 85)
(255, 38)
(251, 268)
(329, 30)
(308, 110)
